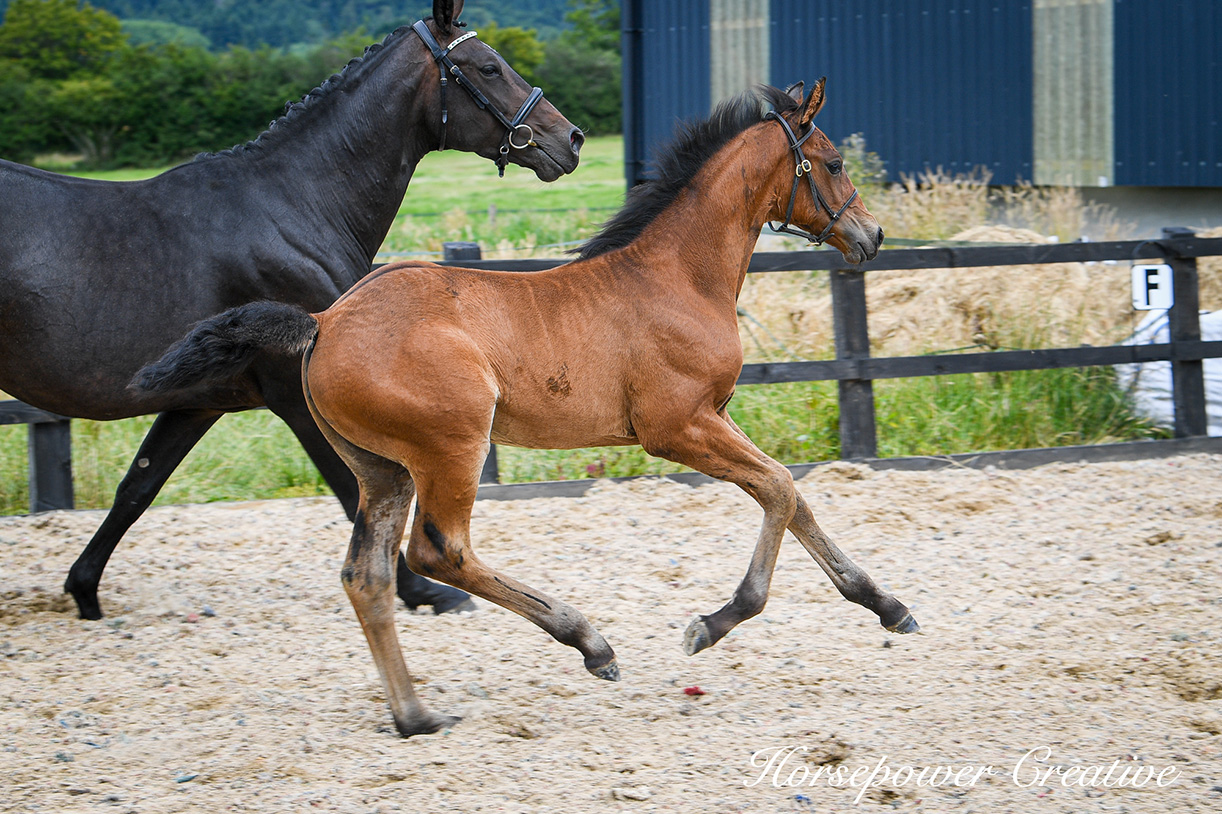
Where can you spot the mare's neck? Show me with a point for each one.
(345, 158)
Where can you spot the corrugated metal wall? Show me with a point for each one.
(1084, 92)
(1168, 93)
(666, 73)
(939, 83)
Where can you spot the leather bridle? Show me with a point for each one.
(515, 127)
(803, 168)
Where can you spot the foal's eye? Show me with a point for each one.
(835, 167)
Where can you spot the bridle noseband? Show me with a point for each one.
(513, 127)
(803, 168)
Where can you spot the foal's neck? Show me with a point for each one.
(714, 225)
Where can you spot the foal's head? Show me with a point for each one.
(544, 140)
(826, 207)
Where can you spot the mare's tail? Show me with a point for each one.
(221, 347)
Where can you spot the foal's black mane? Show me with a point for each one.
(675, 164)
(293, 110)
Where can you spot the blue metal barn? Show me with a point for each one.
(1089, 93)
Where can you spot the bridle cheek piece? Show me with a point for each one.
(514, 128)
(802, 167)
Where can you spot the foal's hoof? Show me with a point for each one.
(905, 625)
(427, 724)
(697, 637)
(607, 672)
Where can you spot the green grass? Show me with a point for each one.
(253, 455)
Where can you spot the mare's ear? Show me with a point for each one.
(445, 12)
(813, 103)
(795, 91)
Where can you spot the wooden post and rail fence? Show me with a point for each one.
(854, 369)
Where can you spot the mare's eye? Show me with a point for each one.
(835, 167)
(490, 70)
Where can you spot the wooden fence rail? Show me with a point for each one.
(853, 368)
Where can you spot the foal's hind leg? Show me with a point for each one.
(440, 547)
(369, 579)
(368, 574)
(284, 398)
(171, 437)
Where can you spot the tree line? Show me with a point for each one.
(75, 79)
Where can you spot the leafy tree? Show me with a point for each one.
(58, 39)
(160, 32)
(582, 67)
(23, 121)
(86, 113)
(596, 23)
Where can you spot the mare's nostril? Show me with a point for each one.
(576, 139)
(880, 236)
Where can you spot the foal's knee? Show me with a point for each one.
(776, 493)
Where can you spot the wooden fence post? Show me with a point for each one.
(858, 437)
(50, 450)
(1184, 322)
(458, 252)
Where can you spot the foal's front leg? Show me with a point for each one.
(713, 445)
(853, 583)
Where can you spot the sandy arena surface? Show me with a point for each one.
(1072, 614)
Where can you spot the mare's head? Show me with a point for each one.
(488, 109)
(814, 193)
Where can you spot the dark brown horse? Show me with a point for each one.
(413, 371)
(97, 278)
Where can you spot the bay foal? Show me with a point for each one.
(413, 371)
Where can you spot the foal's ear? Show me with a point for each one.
(813, 103)
(445, 12)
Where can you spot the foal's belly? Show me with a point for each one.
(559, 428)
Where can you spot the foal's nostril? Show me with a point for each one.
(576, 139)
(880, 237)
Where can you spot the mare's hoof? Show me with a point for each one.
(905, 625)
(607, 672)
(465, 606)
(87, 605)
(427, 724)
(697, 637)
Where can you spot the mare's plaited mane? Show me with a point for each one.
(677, 163)
(293, 110)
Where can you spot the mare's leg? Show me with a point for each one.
(853, 583)
(440, 546)
(287, 402)
(171, 437)
(712, 444)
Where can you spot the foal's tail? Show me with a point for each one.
(221, 347)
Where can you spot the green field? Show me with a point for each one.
(252, 455)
